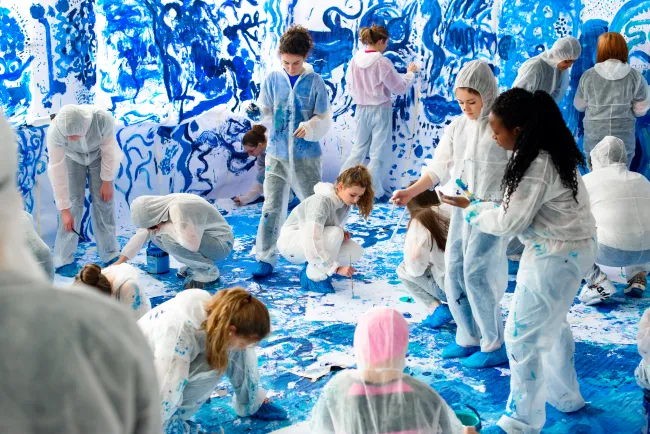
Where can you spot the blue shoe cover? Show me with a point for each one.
(69, 270)
(262, 269)
(439, 317)
(322, 287)
(486, 360)
(270, 411)
(453, 351)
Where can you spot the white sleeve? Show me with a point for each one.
(558, 94)
(439, 167)
(136, 243)
(314, 240)
(57, 171)
(579, 101)
(134, 299)
(255, 192)
(525, 202)
(417, 248)
(172, 358)
(641, 101)
(112, 156)
(395, 82)
(530, 76)
(317, 126)
(186, 234)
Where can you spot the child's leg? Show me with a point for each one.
(423, 288)
(594, 275)
(486, 280)
(363, 139)
(333, 240)
(274, 210)
(103, 216)
(66, 243)
(200, 267)
(307, 172)
(382, 137)
(290, 245)
(245, 379)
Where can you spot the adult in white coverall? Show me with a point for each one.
(70, 363)
(620, 203)
(187, 227)
(475, 261)
(612, 94)
(298, 115)
(82, 146)
(547, 206)
(549, 71)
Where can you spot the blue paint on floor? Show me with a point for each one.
(606, 371)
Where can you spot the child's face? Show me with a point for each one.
(504, 137)
(565, 64)
(470, 103)
(350, 195)
(381, 45)
(255, 151)
(292, 63)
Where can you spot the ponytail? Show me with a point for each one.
(232, 307)
(541, 128)
(254, 136)
(420, 209)
(91, 275)
(372, 35)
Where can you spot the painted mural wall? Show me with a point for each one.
(176, 73)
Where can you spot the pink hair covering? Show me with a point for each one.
(381, 336)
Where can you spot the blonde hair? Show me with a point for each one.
(611, 45)
(91, 275)
(232, 307)
(359, 176)
(372, 35)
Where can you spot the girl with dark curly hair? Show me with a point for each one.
(295, 106)
(547, 206)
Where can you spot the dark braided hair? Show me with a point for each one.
(542, 128)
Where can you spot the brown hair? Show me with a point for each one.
(420, 209)
(232, 307)
(296, 40)
(359, 176)
(91, 275)
(470, 90)
(254, 136)
(372, 35)
(611, 45)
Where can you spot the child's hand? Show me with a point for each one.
(470, 430)
(457, 201)
(346, 271)
(401, 197)
(412, 68)
(346, 235)
(237, 201)
(300, 132)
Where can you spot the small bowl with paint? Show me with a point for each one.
(469, 418)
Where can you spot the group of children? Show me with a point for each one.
(511, 154)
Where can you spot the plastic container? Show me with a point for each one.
(157, 260)
(469, 418)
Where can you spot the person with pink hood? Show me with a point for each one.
(378, 397)
(371, 79)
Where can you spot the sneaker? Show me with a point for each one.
(636, 285)
(454, 351)
(322, 287)
(594, 294)
(182, 272)
(439, 317)
(481, 360)
(262, 269)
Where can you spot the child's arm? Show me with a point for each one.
(112, 156)
(57, 169)
(641, 101)
(395, 82)
(320, 123)
(579, 101)
(134, 245)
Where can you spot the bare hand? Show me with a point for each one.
(346, 235)
(300, 132)
(412, 67)
(106, 191)
(457, 201)
(237, 201)
(67, 220)
(469, 430)
(401, 197)
(346, 271)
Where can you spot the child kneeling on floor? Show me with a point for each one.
(314, 232)
(378, 397)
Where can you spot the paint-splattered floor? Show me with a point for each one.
(605, 358)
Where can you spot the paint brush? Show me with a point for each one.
(399, 223)
(81, 237)
(465, 190)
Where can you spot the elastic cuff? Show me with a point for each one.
(335, 266)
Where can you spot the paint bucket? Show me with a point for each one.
(469, 418)
(157, 260)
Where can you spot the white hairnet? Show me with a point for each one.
(381, 339)
(567, 48)
(14, 252)
(74, 120)
(610, 150)
(478, 75)
(148, 211)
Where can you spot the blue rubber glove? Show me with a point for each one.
(270, 411)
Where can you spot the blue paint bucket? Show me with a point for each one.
(469, 418)
(157, 260)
